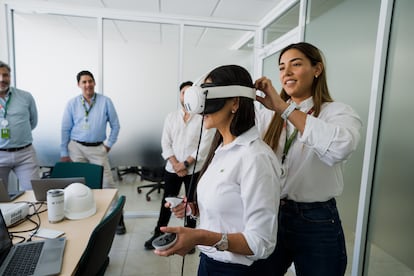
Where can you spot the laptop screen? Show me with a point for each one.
(5, 241)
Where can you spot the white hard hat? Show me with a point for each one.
(79, 201)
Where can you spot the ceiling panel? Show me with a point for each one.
(202, 8)
(211, 37)
(251, 11)
(244, 11)
(145, 6)
(238, 10)
(85, 3)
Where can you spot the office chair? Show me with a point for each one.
(127, 170)
(151, 168)
(92, 173)
(95, 259)
(152, 174)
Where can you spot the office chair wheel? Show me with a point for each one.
(148, 198)
(139, 190)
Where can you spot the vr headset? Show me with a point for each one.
(209, 98)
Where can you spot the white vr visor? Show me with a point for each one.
(196, 98)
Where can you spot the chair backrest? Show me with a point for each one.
(95, 258)
(150, 156)
(152, 165)
(92, 173)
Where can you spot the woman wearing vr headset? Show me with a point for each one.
(238, 191)
(312, 136)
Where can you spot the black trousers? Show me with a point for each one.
(172, 188)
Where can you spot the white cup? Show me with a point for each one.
(55, 205)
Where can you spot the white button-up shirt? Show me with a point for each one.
(239, 193)
(314, 163)
(180, 139)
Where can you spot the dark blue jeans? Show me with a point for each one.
(210, 267)
(310, 235)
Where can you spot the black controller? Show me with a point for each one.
(164, 241)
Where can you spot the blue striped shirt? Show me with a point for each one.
(21, 117)
(101, 113)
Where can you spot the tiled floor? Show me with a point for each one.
(128, 255)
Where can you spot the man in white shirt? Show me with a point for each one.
(180, 139)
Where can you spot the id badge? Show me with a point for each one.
(4, 123)
(85, 126)
(5, 133)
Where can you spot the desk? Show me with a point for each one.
(77, 232)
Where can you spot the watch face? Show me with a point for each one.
(223, 244)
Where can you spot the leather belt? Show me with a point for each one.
(306, 205)
(16, 149)
(88, 144)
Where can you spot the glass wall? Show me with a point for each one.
(346, 31)
(389, 246)
(141, 71)
(140, 64)
(49, 51)
(271, 70)
(206, 48)
(282, 25)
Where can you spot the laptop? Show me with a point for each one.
(41, 186)
(47, 255)
(5, 195)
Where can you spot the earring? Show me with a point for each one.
(233, 111)
(316, 76)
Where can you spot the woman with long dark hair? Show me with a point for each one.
(238, 192)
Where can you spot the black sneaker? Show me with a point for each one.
(148, 243)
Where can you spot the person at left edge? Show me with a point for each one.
(18, 117)
(84, 126)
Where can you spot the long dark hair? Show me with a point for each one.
(320, 91)
(244, 118)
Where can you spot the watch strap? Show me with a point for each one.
(292, 107)
(223, 243)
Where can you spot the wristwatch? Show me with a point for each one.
(292, 107)
(186, 164)
(223, 243)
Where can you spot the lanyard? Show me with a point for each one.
(6, 105)
(87, 110)
(289, 141)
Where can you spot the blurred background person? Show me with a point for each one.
(180, 138)
(18, 117)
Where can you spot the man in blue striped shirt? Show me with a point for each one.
(84, 126)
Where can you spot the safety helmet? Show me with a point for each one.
(79, 201)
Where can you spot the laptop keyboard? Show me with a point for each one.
(24, 259)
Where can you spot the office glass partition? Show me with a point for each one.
(141, 77)
(271, 70)
(346, 31)
(389, 246)
(49, 51)
(282, 25)
(206, 48)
